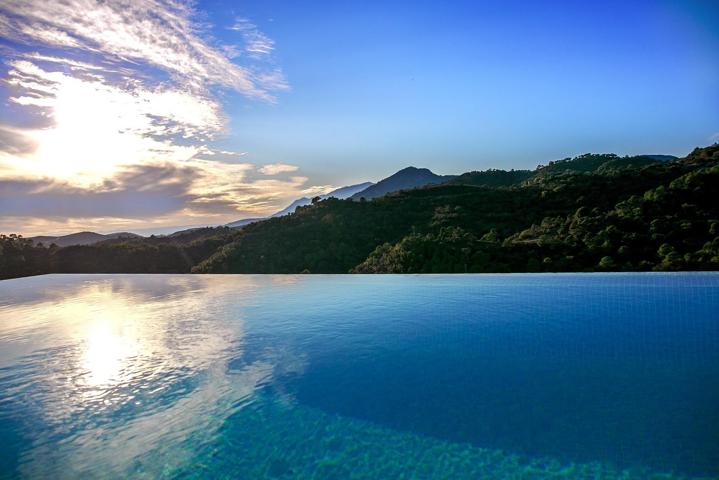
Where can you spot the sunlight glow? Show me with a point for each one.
(99, 134)
(99, 127)
(122, 346)
(107, 352)
(114, 124)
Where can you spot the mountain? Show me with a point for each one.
(582, 214)
(244, 221)
(405, 179)
(44, 239)
(340, 193)
(300, 202)
(492, 178)
(168, 230)
(81, 238)
(587, 163)
(347, 192)
(661, 158)
(588, 213)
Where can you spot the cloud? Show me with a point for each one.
(137, 192)
(317, 190)
(97, 126)
(196, 192)
(275, 168)
(15, 141)
(160, 33)
(115, 108)
(257, 43)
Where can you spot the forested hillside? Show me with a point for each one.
(594, 212)
(176, 253)
(589, 213)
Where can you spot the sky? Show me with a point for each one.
(147, 115)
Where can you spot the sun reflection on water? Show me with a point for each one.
(105, 354)
(132, 367)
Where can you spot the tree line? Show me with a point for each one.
(588, 213)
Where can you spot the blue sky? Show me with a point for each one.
(151, 113)
(376, 86)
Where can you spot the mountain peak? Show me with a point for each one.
(340, 193)
(81, 238)
(405, 179)
(412, 169)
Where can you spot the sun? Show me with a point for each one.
(98, 126)
(96, 129)
(106, 353)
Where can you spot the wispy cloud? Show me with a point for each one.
(120, 104)
(256, 43)
(160, 33)
(317, 190)
(14, 141)
(193, 192)
(275, 168)
(98, 126)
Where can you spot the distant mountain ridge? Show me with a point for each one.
(493, 178)
(661, 158)
(406, 179)
(81, 238)
(346, 192)
(593, 212)
(340, 193)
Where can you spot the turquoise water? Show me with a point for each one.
(594, 376)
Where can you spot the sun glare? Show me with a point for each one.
(98, 126)
(97, 129)
(106, 353)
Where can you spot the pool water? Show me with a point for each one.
(372, 377)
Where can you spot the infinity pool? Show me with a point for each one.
(371, 377)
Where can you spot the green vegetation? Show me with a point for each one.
(176, 253)
(590, 213)
(493, 178)
(21, 257)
